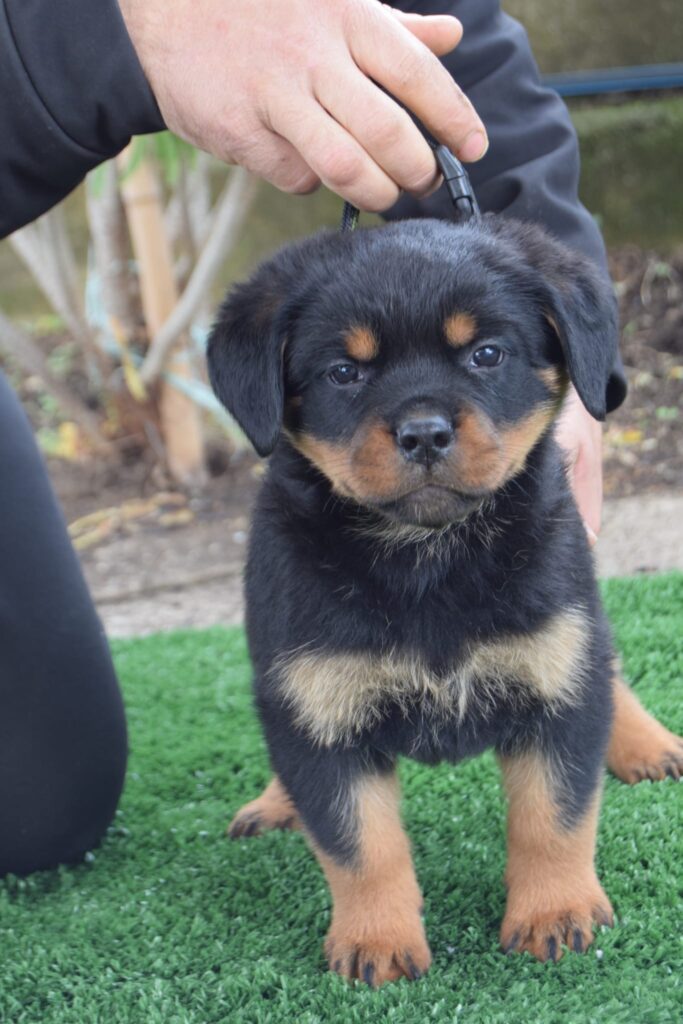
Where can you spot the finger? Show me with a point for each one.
(440, 32)
(586, 483)
(391, 55)
(580, 437)
(332, 153)
(591, 534)
(382, 128)
(273, 158)
(584, 467)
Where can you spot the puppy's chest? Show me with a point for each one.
(339, 695)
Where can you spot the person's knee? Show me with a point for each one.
(61, 805)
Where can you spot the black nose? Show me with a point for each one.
(425, 439)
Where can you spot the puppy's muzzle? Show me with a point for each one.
(424, 439)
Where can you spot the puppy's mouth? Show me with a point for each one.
(430, 505)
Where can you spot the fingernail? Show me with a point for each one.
(474, 147)
(592, 535)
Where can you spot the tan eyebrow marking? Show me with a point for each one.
(460, 329)
(361, 344)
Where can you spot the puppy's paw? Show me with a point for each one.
(652, 754)
(375, 959)
(640, 747)
(273, 809)
(544, 930)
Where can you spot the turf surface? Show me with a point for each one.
(171, 922)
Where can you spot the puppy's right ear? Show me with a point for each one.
(246, 347)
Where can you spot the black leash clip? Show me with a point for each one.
(458, 185)
(457, 181)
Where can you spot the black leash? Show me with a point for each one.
(456, 180)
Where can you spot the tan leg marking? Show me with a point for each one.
(273, 809)
(554, 896)
(640, 748)
(376, 932)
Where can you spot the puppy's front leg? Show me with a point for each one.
(554, 896)
(376, 932)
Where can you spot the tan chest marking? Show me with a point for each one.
(337, 696)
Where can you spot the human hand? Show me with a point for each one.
(286, 88)
(581, 438)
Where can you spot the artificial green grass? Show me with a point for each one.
(171, 923)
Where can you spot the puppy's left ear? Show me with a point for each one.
(578, 301)
(246, 347)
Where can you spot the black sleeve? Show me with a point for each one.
(531, 170)
(72, 93)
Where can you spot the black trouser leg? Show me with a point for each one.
(62, 725)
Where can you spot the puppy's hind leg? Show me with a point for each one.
(640, 747)
(273, 809)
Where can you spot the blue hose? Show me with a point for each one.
(603, 80)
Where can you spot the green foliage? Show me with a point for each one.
(631, 156)
(168, 150)
(171, 923)
(612, 33)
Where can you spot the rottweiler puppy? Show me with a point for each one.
(419, 581)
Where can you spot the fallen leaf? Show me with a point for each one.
(625, 436)
(180, 518)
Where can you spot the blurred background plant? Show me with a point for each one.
(135, 315)
(106, 301)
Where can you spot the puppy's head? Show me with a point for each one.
(417, 365)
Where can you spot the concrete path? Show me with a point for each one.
(195, 580)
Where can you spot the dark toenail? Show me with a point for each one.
(414, 971)
(369, 974)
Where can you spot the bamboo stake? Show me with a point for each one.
(180, 421)
(228, 217)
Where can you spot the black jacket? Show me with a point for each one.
(72, 93)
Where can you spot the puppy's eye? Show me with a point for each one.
(344, 373)
(488, 355)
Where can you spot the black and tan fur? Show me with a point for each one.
(419, 580)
